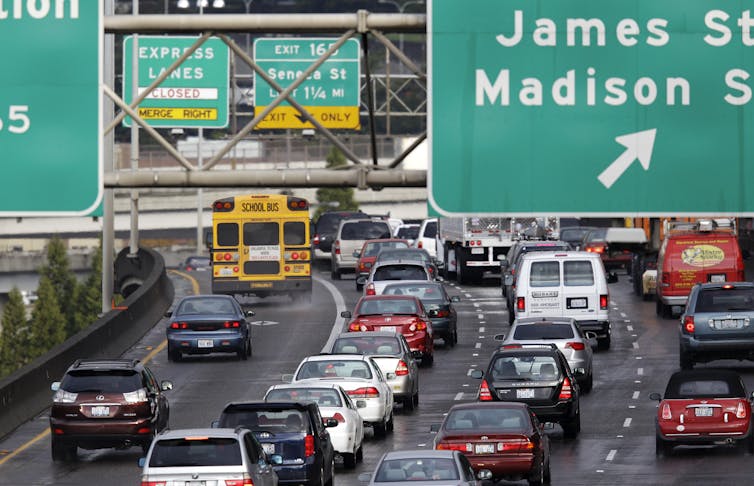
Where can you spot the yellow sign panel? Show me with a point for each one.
(328, 116)
(178, 113)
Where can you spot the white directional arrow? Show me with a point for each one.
(638, 145)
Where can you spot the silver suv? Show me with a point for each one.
(351, 235)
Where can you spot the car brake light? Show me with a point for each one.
(340, 418)
(565, 391)
(369, 290)
(419, 244)
(521, 304)
(153, 483)
(666, 415)
(511, 346)
(443, 313)
(418, 326)
(231, 324)
(728, 287)
(364, 392)
(309, 445)
(316, 240)
(336, 247)
(178, 325)
(401, 369)
(246, 481)
(446, 446)
(356, 327)
(515, 445)
(484, 392)
(603, 302)
(688, 325)
(741, 411)
(576, 346)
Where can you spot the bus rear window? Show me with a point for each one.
(227, 234)
(255, 234)
(294, 233)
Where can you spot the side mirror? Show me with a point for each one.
(346, 314)
(142, 461)
(477, 374)
(215, 424)
(250, 313)
(356, 253)
(612, 277)
(166, 385)
(55, 386)
(499, 337)
(484, 474)
(434, 428)
(658, 397)
(508, 280)
(168, 313)
(455, 298)
(287, 378)
(275, 459)
(361, 404)
(331, 422)
(361, 280)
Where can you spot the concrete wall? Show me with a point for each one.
(26, 393)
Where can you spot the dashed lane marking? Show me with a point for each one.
(635, 396)
(611, 455)
(458, 396)
(627, 422)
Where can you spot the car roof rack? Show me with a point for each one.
(87, 363)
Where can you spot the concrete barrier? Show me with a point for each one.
(26, 393)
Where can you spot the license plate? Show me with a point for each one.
(388, 328)
(196, 483)
(577, 303)
(717, 278)
(269, 449)
(525, 393)
(261, 285)
(484, 448)
(100, 411)
(703, 412)
(205, 343)
(226, 272)
(730, 324)
(477, 251)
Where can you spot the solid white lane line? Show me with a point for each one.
(458, 396)
(627, 422)
(635, 396)
(632, 406)
(611, 455)
(340, 305)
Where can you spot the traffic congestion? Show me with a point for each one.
(423, 368)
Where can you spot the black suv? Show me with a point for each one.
(327, 225)
(292, 430)
(103, 403)
(537, 375)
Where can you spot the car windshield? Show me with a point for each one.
(271, 420)
(333, 369)
(374, 247)
(725, 300)
(410, 255)
(416, 469)
(427, 292)
(387, 306)
(573, 234)
(365, 230)
(111, 381)
(400, 272)
(525, 368)
(198, 451)
(542, 331)
(409, 232)
(324, 397)
(496, 420)
(205, 305)
(368, 345)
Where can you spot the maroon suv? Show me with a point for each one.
(103, 403)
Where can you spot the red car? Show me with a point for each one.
(397, 313)
(368, 255)
(703, 407)
(504, 438)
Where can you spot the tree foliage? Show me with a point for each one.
(339, 198)
(89, 294)
(48, 324)
(13, 338)
(63, 281)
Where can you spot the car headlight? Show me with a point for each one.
(62, 396)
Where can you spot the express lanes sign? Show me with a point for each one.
(590, 107)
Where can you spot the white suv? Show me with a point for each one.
(351, 235)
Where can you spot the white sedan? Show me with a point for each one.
(360, 377)
(334, 403)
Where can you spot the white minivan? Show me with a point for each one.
(565, 284)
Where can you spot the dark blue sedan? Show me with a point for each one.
(204, 324)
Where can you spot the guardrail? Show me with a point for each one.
(26, 392)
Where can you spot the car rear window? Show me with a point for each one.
(400, 272)
(525, 367)
(368, 345)
(430, 230)
(364, 230)
(416, 469)
(427, 292)
(328, 222)
(110, 381)
(210, 305)
(690, 388)
(324, 397)
(334, 368)
(275, 420)
(388, 306)
(725, 300)
(578, 273)
(414, 255)
(193, 452)
(373, 248)
(410, 232)
(545, 274)
(489, 419)
(543, 331)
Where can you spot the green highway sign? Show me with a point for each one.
(194, 95)
(50, 107)
(591, 107)
(330, 94)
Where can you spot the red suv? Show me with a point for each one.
(103, 403)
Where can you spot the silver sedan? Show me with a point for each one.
(424, 467)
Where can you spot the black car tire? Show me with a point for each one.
(537, 477)
(428, 360)
(331, 479)
(359, 287)
(663, 448)
(349, 460)
(62, 452)
(390, 424)
(588, 384)
(416, 398)
(248, 349)
(603, 343)
(380, 430)
(408, 404)
(686, 360)
(572, 427)
(243, 353)
(334, 274)
(174, 355)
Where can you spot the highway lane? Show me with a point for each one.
(616, 445)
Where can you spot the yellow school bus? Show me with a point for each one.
(260, 246)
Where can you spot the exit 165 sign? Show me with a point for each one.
(591, 107)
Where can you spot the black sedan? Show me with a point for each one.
(436, 301)
(204, 324)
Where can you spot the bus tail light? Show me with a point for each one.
(223, 205)
(297, 204)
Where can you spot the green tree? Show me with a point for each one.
(48, 324)
(14, 351)
(340, 198)
(58, 271)
(89, 294)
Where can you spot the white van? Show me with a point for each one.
(427, 235)
(565, 284)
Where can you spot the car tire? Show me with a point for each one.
(686, 360)
(380, 430)
(537, 477)
(331, 479)
(748, 444)
(572, 427)
(603, 343)
(174, 355)
(62, 452)
(243, 352)
(359, 288)
(248, 348)
(416, 398)
(589, 383)
(390, 425)
(408, 404)
(663, 448)
(349, 460)
(428, 360)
